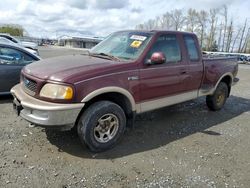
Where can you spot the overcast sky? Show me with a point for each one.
(50, 18)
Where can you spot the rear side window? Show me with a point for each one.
(191, 48)
(169, 45)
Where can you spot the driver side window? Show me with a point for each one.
(10, 56)
(169, 45)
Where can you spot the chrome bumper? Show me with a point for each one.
(45, 114)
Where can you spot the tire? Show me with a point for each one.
(216, 101)
(101, 126)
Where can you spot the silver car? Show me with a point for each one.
(12, 59)
(30, 45)
(5, 40)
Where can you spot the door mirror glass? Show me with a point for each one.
(157, 58)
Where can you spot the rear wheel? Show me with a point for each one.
(101, 126)
(217, 100)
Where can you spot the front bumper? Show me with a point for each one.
(45, 114)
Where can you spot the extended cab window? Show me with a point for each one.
(191, 48)
(169, 45)
(11, 56)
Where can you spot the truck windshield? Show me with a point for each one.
(123, 45)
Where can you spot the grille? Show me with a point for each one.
(30, 86)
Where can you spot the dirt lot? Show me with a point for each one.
(180, 146)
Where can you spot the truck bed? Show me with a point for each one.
(214, 69)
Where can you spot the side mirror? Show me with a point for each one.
(157, 58)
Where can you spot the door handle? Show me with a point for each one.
(133, 78)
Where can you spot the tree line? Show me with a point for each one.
(215, 30)
(14, 30)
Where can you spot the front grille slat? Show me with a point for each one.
(30, 86)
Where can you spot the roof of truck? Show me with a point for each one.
(159, 31)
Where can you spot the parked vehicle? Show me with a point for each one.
(248, 58)
(128, 73)
(7, 41)
(242, 58)
(12, 59)
(30, 45)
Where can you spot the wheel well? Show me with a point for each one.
(114, 97)
(227, 80)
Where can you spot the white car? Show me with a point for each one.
(7, 41)
(30, 45)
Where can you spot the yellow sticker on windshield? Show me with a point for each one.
(136, 44)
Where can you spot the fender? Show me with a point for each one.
(111, 89)
(224, 75)
(216, 85)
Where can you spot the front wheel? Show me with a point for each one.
(217, 100)
(101, 126)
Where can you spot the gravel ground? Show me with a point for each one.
(184, 145)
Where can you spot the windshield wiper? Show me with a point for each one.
(109, 56)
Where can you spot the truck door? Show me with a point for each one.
(167, 79)
(195, 65)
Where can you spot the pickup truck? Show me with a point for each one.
(130, 72)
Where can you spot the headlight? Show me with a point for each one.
(55, 91)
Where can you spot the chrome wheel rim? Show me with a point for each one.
(106, 128)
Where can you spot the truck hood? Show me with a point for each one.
(70, 68)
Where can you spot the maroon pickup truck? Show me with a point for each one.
(128, 73)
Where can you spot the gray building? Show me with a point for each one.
(79, 42)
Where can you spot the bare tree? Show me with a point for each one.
(225, 13)
(204, 24)
(213, 23)
(191, 19)
(219, 40)
(140, 27)
(229, 36)
(235, 39)
(167, 21)
(242, 35)
(178, 19)
(202, 20)
(158, 22)
(244, 47)
(150, 24)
